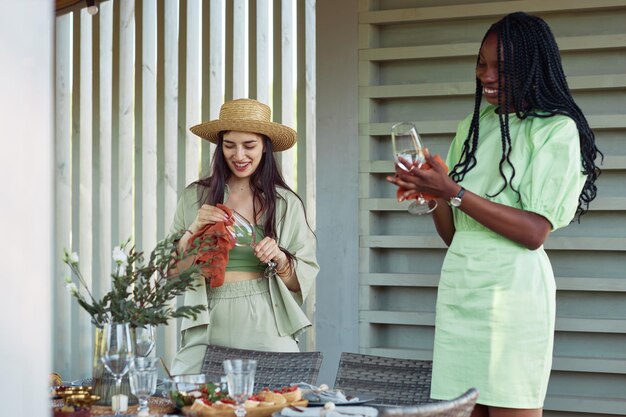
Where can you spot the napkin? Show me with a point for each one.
(214, 242)
(324, 394)
(344, 411)
(425, 166)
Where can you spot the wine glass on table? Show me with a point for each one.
(143, 380)
(408, 152)
(240, 377)
(245, 235)
(117, 353)
(144, 338)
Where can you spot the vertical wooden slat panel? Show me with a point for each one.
(263, 34)
(170, 163)
(277, 67)
(126, 146)
(63, 102)
(288, 104)
(105, 148)
(306, 130)
(149, 124)
(85, 166)
(217, 65)
(240, 49)
(193, 87)
(228, 51)
(74, 158)
(252, 55)
(205, 145)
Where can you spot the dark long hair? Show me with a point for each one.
(263, 182)
(534, 85)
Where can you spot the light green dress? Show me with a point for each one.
(496, 299)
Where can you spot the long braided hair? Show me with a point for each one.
(534, 85)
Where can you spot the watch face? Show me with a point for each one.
(455, 202)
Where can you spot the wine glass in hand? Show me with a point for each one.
(408, 152)
(242, 230)
(240, 376)
(117, 352)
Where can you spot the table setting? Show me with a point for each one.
(125, 371)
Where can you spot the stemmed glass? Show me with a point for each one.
(408, 146)
(117, 353)
(245, 235)
(144, 338)
(143, 381)
(240, 376)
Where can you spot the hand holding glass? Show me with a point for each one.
(245, 235)
(143, 381)
(240, 376)
(408, 148)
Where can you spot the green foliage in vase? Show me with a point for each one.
(142, 293)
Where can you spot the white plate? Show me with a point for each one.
(346, 404)
(347, 411)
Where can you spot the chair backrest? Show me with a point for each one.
(390, 381)
(461, 406)
(274, 369)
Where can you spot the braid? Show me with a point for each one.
(535, 86)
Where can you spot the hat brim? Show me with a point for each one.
(282, 137)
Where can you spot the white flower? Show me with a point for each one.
(74, 258)
(119, 256)
(71, 288)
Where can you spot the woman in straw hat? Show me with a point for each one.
(247, 311)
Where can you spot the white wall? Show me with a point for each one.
(26, 205)
(337, 183)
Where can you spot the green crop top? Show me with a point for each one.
(241, 258)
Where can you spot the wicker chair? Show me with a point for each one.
(273, 370)
(389, 381)
(461, 406)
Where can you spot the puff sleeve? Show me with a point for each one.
(554, 178)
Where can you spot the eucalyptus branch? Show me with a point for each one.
(141, 293)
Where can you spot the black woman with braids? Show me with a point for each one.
(522, 166)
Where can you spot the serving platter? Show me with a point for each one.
(259, 411)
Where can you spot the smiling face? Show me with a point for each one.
(487, 69)
(243, 152)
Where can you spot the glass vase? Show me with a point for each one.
(103, 382)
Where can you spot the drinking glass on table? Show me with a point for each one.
(240, 377)
(245, 235)
(143, 380)
(409, 150)
(117, 353)
(144, 338)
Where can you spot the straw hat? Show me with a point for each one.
(247, 115)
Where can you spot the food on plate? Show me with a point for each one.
(272, 397)
(259, 404)
(210, 393)
(292, 393)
